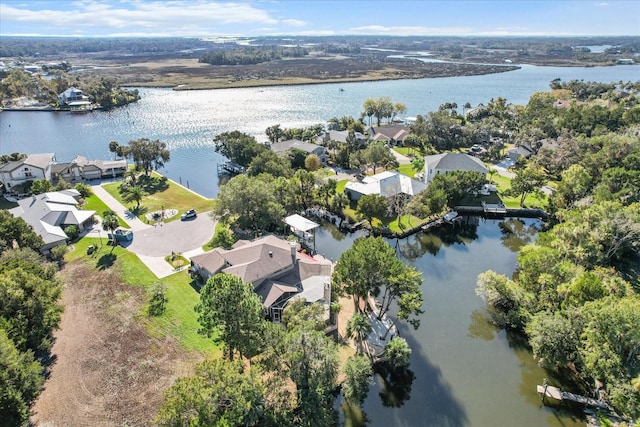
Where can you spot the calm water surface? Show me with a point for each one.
(466, 372)
(188, 121)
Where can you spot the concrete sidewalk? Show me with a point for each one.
(132, 221)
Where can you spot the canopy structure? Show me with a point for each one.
(304, 229)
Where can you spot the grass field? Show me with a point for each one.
(162, 195)
(179, 320)
(94, 203)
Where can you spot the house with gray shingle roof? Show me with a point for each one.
(392, 135)
(32, 167)
(276, 269)
(50, 213)
(309, 148)
(81, 169)
(450, 162)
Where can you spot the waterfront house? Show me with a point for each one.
(391, 135)
(450, 162)
(276, 269)
(307, 147)
(387, 184)
(359, 139)
(50, 213)
(13, 175)
(82, 169)
(71, 95)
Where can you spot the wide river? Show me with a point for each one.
(466, 372)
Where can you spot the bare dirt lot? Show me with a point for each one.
(106, 370)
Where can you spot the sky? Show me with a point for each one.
(207, 18)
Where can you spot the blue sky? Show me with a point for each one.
(299, 17)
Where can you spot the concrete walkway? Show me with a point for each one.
(151, 243)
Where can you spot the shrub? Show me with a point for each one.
(72, 232)
(157, 300)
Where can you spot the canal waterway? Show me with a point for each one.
(465, 372)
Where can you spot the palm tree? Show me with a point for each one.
(491, 172)
(134, 194)
(358, 328)
(110, 224)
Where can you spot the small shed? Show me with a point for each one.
(304, 229)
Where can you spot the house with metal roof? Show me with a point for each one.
(276, 269)
(82, 169)
(387, 184)
(50, 213)
(450, 162)
(32, 167)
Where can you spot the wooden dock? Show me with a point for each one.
(230, 168)
(555, 393)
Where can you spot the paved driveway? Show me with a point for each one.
(176, 236)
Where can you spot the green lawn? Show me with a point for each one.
(179, 320)
(170, 195)
(407, 169)
(503, 183)
(94, 203)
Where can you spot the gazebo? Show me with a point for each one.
(304, 229)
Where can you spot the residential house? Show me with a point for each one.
(276, 269)
(392, 135)
(82, 169)
(341, 136)
(309, 148)
(70, 96)
(519, 151)
(449, 162)
(32, 167)
(50, 213)
(387, 184)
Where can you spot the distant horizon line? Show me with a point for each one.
(239, 36)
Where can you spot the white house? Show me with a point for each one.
(50, 213)
(32, 167)
(450, 162)
(72, 95)
(387, 184)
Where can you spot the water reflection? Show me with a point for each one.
(433, 402)
(480, 327)
(516, 233)
(395, 384)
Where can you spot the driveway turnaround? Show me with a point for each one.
(177, 236)
(151, 243)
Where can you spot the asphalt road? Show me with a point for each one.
(176, 236)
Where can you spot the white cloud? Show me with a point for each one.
(156, 16)
(603, 4)
(294, 22)
(408, 30)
